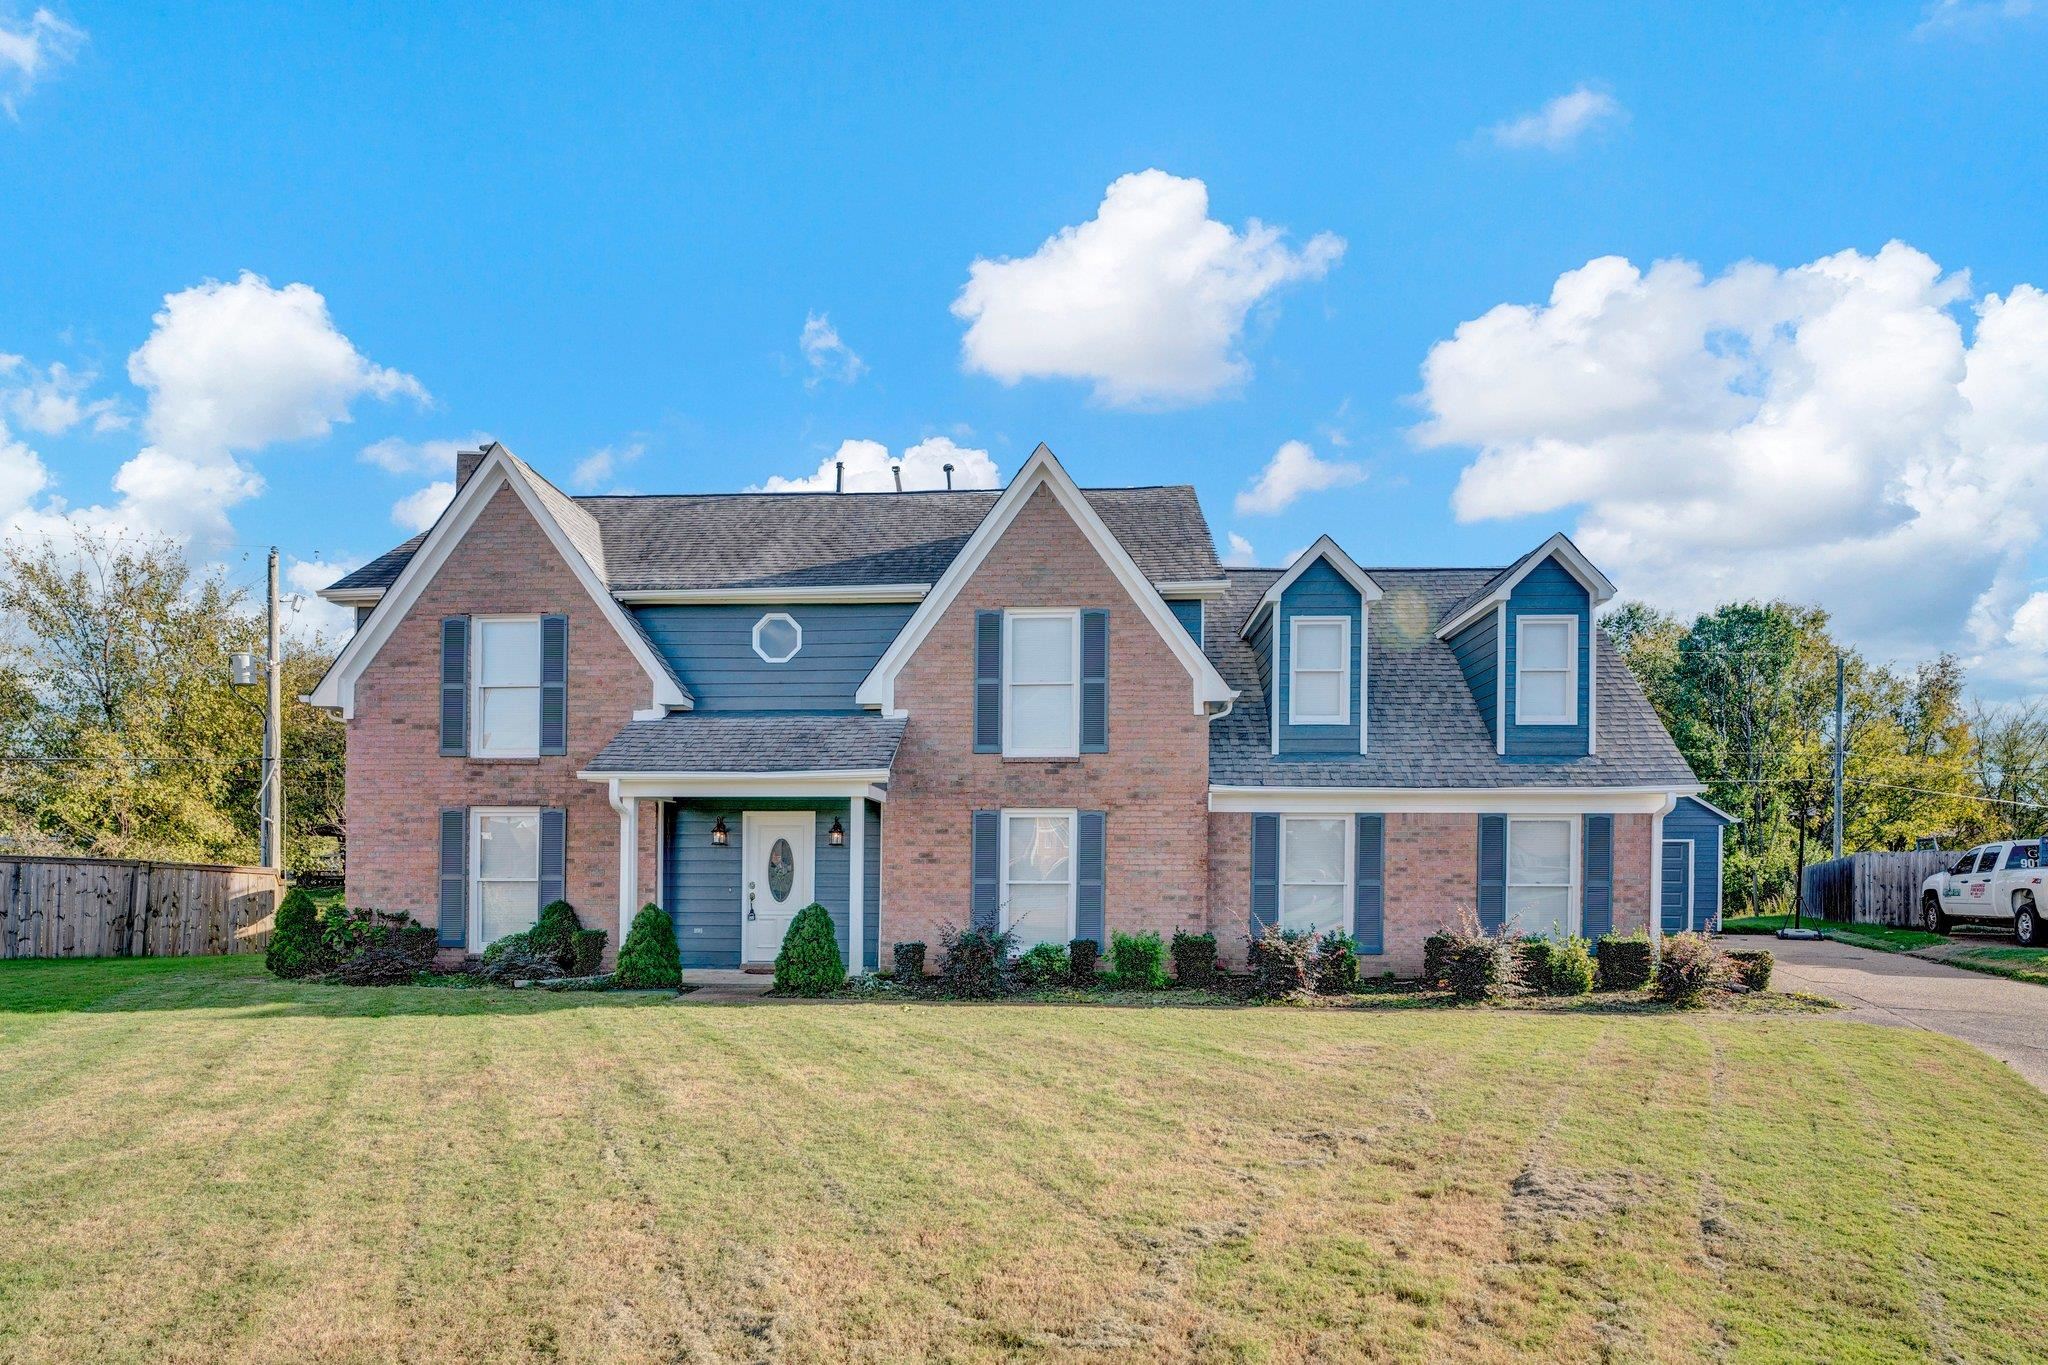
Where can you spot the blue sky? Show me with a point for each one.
(605, 232)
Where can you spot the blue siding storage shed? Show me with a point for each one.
(1690, 897)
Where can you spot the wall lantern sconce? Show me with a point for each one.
(718, 835)
(837, 834)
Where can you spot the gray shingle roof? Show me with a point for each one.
(733, 540)
(1425, 729)
(753, 742)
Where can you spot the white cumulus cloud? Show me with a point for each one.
(1146, 301)
(1295, 469)
(399, 456)
(1861, 432)
(306, 610)
(31, 51)
(827, 356)
(51, 401)
(599, 469)
(867, 469)
(417, 510)
(1561, 122)
(1240, 555)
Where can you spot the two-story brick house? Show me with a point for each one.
(1049, 709)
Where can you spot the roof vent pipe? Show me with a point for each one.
(839, 476)
(897, 470)
(949, 478)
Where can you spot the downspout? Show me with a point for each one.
(1657, 872)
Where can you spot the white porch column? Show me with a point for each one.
(856, 885)
(628, 808)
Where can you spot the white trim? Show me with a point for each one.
(827, 593)
(336, 689)
(1445, 800)
(1343, 713)
(1592, 684)
(628, 808)
(1073, 685)
(1574, 886)
(1570, 716)
(1193, 587)
(1702, 801)
(475, 875)
(661, 814)
(692, 786)
(856, 884)
(1347, 896)
(1324, 548)
(1597, 585)
(794, 625)
(477, 687)
(1073, 819)
(1364, 673)
(351, 597)
(1664, 808)
(878, 689)
(1500, 680)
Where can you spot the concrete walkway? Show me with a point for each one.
(2008, 1019)
(715, 987)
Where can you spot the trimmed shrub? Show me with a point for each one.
(1137, 962)
(586, 952)
(1482, 967)
(377, 949)
(1282, 963)
(809, 962)
(974, 964)
(1534, 956)
(297, 945)
(1436, 950)
(1625, 961)
(1044, 964)
(1570, 968)
(1194, 960)
(1336, 965)
(648, 959)
(1689, 970)
(1082, 955)
(1753, 968)
(907, 960)
(554, 933)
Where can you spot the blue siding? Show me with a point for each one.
(1676, 899)
(1550, 590)
(701, 887)
(1320, 591)
(1188, 611)
(872, 867)
(1477, 649)
(711, 649)
(1691, 820)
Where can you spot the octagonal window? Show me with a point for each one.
(777, 637)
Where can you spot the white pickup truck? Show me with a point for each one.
(1991, 884)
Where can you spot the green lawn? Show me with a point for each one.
(1883, 937)
(2022, 964)
(199, 1163)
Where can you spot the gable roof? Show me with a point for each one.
(573, 534)
(1324, 549)
(1496, 589)
(1042, 470)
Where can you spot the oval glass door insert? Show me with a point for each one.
(781, 869)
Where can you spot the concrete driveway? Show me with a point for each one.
(2008, 1019)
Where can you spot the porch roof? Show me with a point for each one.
(752, 742)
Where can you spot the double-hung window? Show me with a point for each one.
(1319, 668)
(505, 678)
(1038, 876)
(1315, 872)
(1041, 683)
(505, 863)
(1547, 670)
(1539, 892)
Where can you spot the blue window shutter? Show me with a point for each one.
(554, 684)
(988, 869)
(988, 682)
(455, 686)
(1091, 851)
(554, 857)
(1265, 872)
(1493, 872)
(1095, 682)
(1368, 920)
(1598, 844)
(453, 914)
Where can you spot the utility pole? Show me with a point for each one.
(273, 737)
(1840, 694)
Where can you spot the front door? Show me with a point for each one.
(776, 849)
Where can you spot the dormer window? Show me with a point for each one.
(777, 637)
(1547, 670)
(1319, 671)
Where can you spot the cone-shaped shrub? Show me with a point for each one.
(809, 962)
(554, 934)
(648, 958)
(297, 946)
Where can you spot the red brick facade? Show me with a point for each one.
(397, 779)
(1153, 783)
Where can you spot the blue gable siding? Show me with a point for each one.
(1689, 819)
(1550, 590)
(1188, 611)
(701, 885)
(1320, 591)
(711, 649)
(1477, 648)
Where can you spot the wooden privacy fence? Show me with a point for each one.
(117, 907)
(1871, 888)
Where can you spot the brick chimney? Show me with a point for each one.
(466, 462)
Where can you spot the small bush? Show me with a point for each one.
(1689, 970)
(1482, 968)
(1570, 968)
(648, 959)
(586, 952)
(1436, 951)
(974, 964)
(1082, 954)
(1282, 963)
(1044, 964)
(1194, 960)
(1337, 965)
(1625, 961)
(1753, 968)
(1534, 956)
(554, 933)
(1137, 962)
(374, 949)
(907, 960)
(809, 962)
(297, 945)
